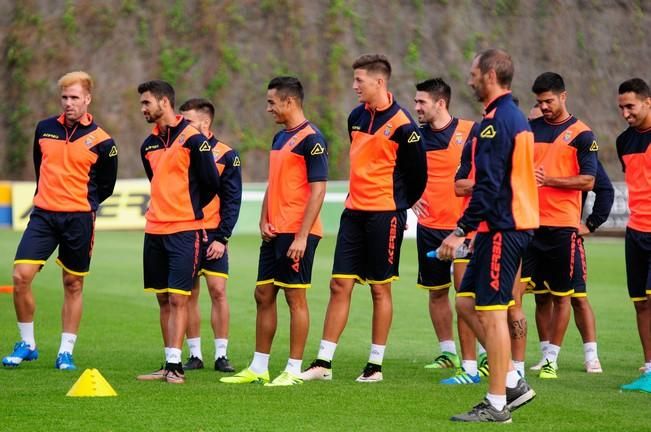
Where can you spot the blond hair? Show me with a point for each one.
(76, 77)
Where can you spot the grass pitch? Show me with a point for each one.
(120, 336)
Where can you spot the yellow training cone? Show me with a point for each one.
(91, 383)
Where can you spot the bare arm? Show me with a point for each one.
(312, 209)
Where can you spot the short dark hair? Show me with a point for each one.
(548, 82)
(159, 89)
(500, 61)
(287, 86)
(376, 63)
(200, 105)
(437, 88)
(637, 86)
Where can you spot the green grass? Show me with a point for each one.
(120, 336)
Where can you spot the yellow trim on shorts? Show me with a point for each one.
(639, 299)
(648, 292)
(435, 288)
(526, 279)
(205, 272)
(264, 282)
(495, 307)
(373, 282)
(72, 272)
(286, 285)
(465, 294)
(168, 290)
(460, 260)
(349, 276)
(579, 295)
(562, 294)
(26, 261)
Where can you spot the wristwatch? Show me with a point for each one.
(459, 232)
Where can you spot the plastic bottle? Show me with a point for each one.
(461, 252)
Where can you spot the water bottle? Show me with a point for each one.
(461, 252)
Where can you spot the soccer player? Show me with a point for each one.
(566, 164)
(634, 151)
(220, 217)
(76, 164)
(438, 210)
(180, 165)
(583, 313)
(291, 228)
(503, 209)
(388, 174)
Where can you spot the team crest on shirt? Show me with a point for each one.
(458, 138)
(594, 146)
(414, 137)
(568, 136)
(488, 132)
(236, 161)
(387, 129)
(89, 140)
(204, 147)
(317, 150)
(113, 152)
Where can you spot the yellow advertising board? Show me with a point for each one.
(125, 209)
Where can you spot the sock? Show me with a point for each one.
(173, 355)
(294, 366)
(260, 363)
(194, 345)
(377, 354)
(448, 346)
(27, 333)
(543, 347)
(470, 366)
(647, 367)
(519, 367)
(326, 350)
(498, 401)
(551, 353)
(67, 342)
(480, 349)
(220, 348)
(512, 378)
(167, 353)
(590, 351)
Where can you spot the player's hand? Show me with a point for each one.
(421, 208)
(215, 250)
(297, 248)
(267, 231)
(540, 176)
(449, 246)
(583, 230)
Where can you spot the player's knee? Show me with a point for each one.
(218, 294)
(263, 295)
(438, 296)
(579, 303)
(380, 293)
(340, 288)
(73, 284)
(296, 300)
(22, 280)
(543, 299)
(642, 306)
(178, 300)
(465, 306)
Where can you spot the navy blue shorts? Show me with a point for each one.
(493, 268)
(171, 261)
(638, 264)
(368, 246)
(433, 274)
(580, 275)
(275, 267)
(213, 267)
(73, 232)
(549, 260)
